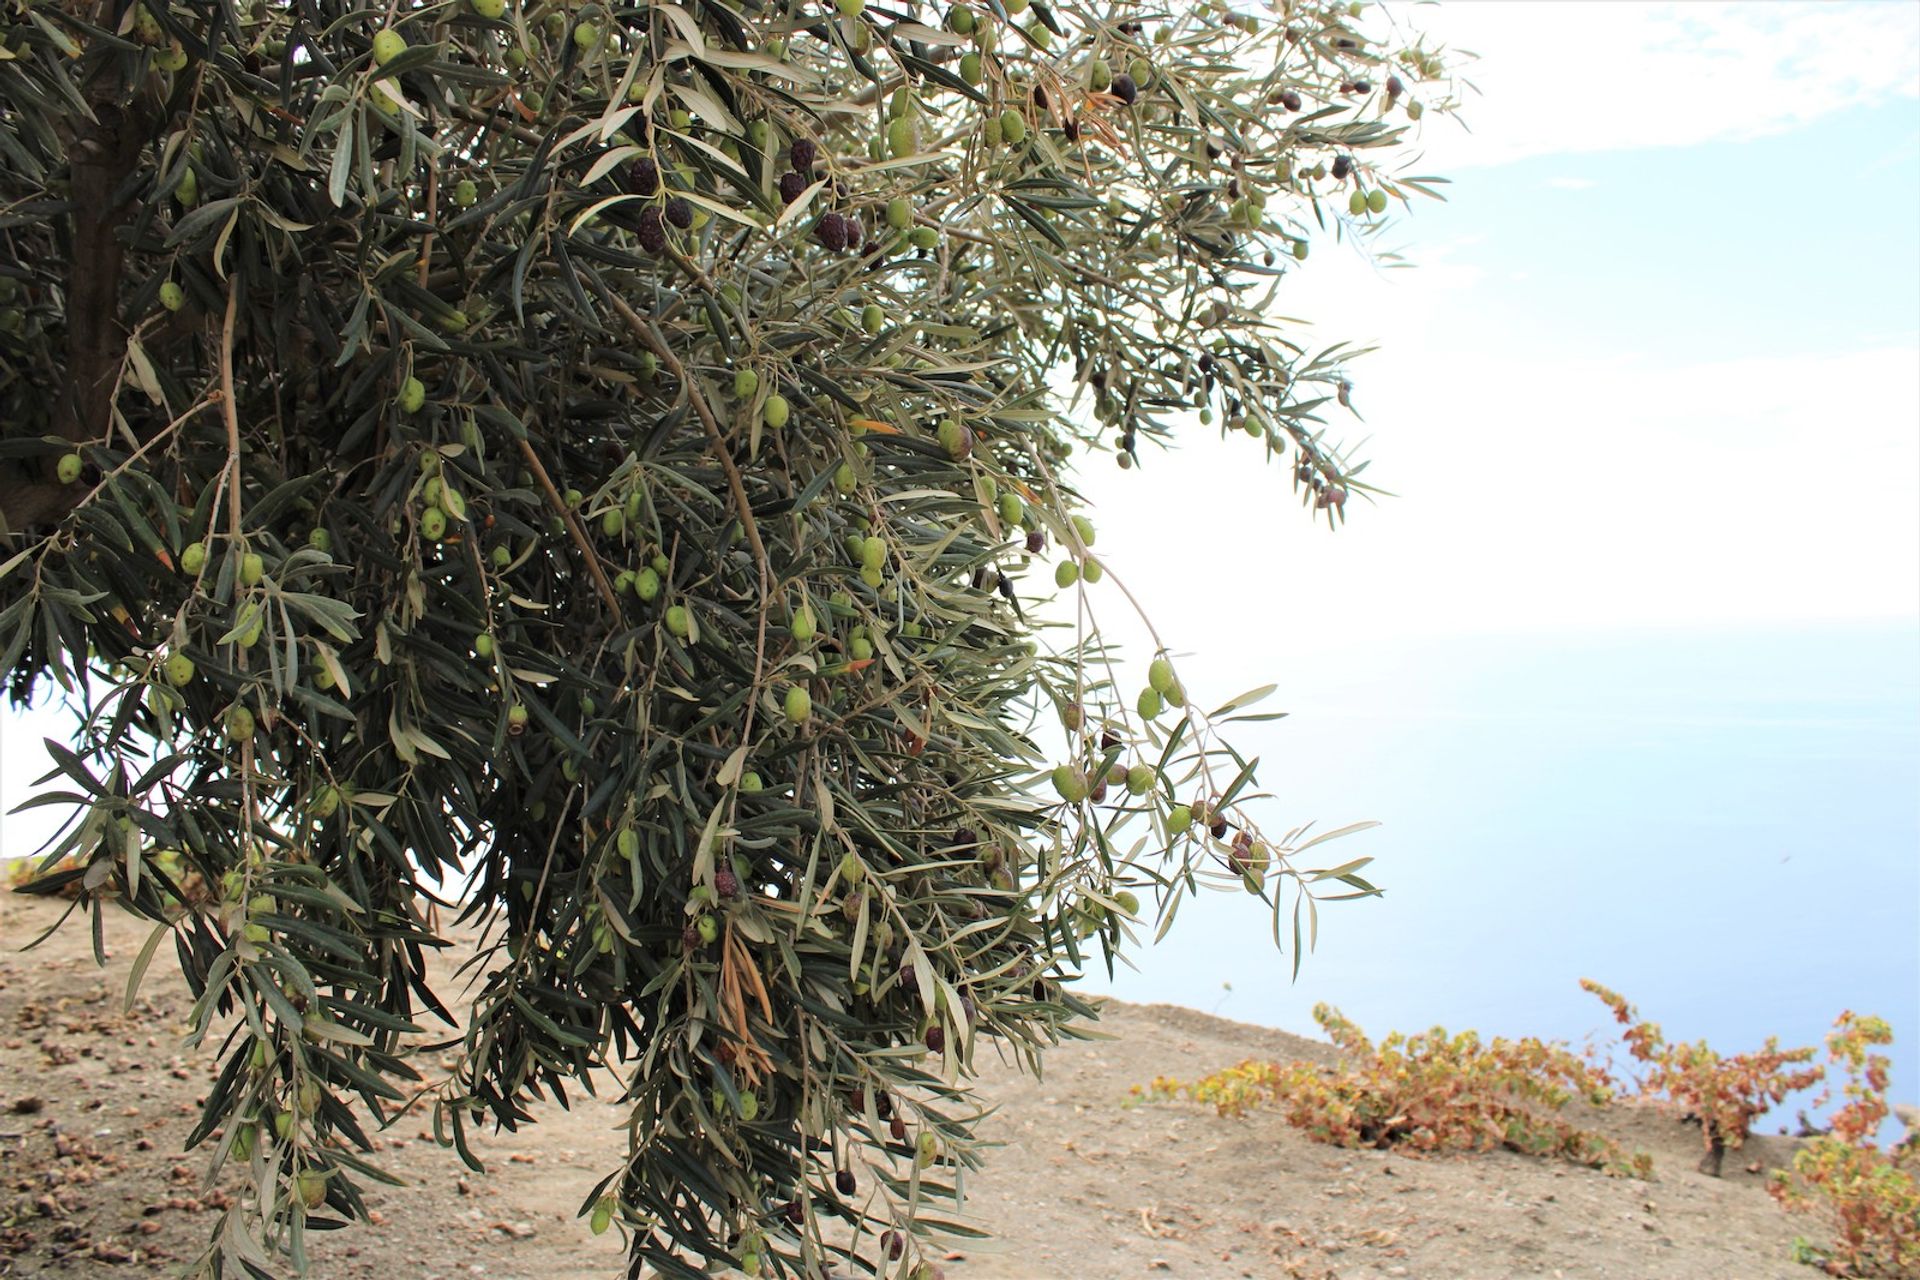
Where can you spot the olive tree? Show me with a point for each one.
(597, 481)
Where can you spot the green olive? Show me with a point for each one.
(388, 44)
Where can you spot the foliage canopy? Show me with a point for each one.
(589, 464)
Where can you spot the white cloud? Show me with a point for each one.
(1616, 489)
(1574, 77)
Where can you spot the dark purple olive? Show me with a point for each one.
(831, 231)
(804, 154)
(1124, 88)
(791, 185)
(680, 213)
(644, 177)
(844, 1181)
(651, 231)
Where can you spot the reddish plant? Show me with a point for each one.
(1869, 1197)
(1726, 1094)
(1428, 1092)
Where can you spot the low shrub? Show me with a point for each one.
(1426, 1092)
(1726, 1094)
(1869, 1197)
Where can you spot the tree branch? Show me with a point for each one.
(104, 151)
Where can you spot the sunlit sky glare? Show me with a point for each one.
(1657, 361)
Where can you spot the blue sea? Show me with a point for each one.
(1724, 826)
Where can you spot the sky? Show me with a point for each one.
(1654, 373)
(1656, 361)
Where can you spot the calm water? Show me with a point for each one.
(1724, 827)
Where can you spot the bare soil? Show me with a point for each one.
(95, 1104)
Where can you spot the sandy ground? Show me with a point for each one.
(95, 1103)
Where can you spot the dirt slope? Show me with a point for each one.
(94, 1105)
